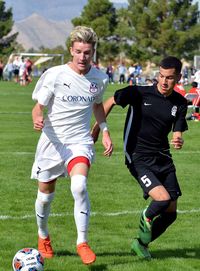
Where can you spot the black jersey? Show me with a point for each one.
(150, 118)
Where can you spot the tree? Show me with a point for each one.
(7, 42)
(161, 28)
(101, 16)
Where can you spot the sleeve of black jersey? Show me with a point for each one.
(125, 96)
(180, 124)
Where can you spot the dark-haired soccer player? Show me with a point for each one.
(153, 112)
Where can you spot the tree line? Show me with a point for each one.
(145, 30)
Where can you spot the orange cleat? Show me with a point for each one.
(86, 254)
(45, 248)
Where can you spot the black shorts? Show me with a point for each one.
(16, 72)
(151, 171)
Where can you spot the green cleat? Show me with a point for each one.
(140, 250)
(145, 229)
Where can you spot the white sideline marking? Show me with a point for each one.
(7, 113)
(115, 152)
(24, 217)
(18, 153)
(185, 152)
(16, 113)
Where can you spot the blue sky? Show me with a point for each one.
(51, 9)
(54, 9)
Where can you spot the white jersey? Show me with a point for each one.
(69, 98)
(197, 78)
(22, 68)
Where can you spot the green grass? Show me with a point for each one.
(116, 199)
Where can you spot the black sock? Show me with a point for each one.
(161, 223)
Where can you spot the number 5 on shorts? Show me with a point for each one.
(146, 181)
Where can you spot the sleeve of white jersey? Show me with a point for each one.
(44, 88)
(99, 98)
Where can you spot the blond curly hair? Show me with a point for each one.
(83, 34)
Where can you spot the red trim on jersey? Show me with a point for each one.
(76, 160)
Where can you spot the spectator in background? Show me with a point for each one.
(16, 65)
(148, 82)
(22, 72)
(138, 70)
(131, 78)
(131, 70)
(29, 65)
(185, 75)
(95, 65)
(192, 71)
(196, 100)
(137, 73)
(196, 78)
(194, 88)
(1, 70)
(122, 73)
(110, 73)
(180, 89)
(8, 70)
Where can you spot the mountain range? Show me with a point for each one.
(46, 23)
(36, 31)
(56, 10)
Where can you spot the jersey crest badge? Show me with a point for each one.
(93, 88)
(174, 110)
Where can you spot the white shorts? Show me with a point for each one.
(51, 159)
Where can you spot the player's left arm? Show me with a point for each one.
(101, 121)
(180, 126)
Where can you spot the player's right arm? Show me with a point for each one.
(38, 117)
(177, 140)
(107, 105)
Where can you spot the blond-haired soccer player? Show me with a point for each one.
(70, 92)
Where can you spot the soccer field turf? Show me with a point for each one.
(116, 199)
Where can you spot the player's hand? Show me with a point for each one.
(38, 123)
(177, 142)
(107, 143)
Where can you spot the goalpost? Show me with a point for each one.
(197, 62)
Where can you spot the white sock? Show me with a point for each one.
(81, 206)
(42, 209)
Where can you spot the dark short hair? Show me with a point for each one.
(171, 62)
(194, 84)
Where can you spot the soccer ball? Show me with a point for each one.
(28, 259)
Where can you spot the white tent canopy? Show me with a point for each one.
(41, 55)
(42, 60)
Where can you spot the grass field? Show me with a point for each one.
(116, 199)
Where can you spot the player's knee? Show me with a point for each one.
(78, 185)
(160, 206)
(44, 198)
(156, 208)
